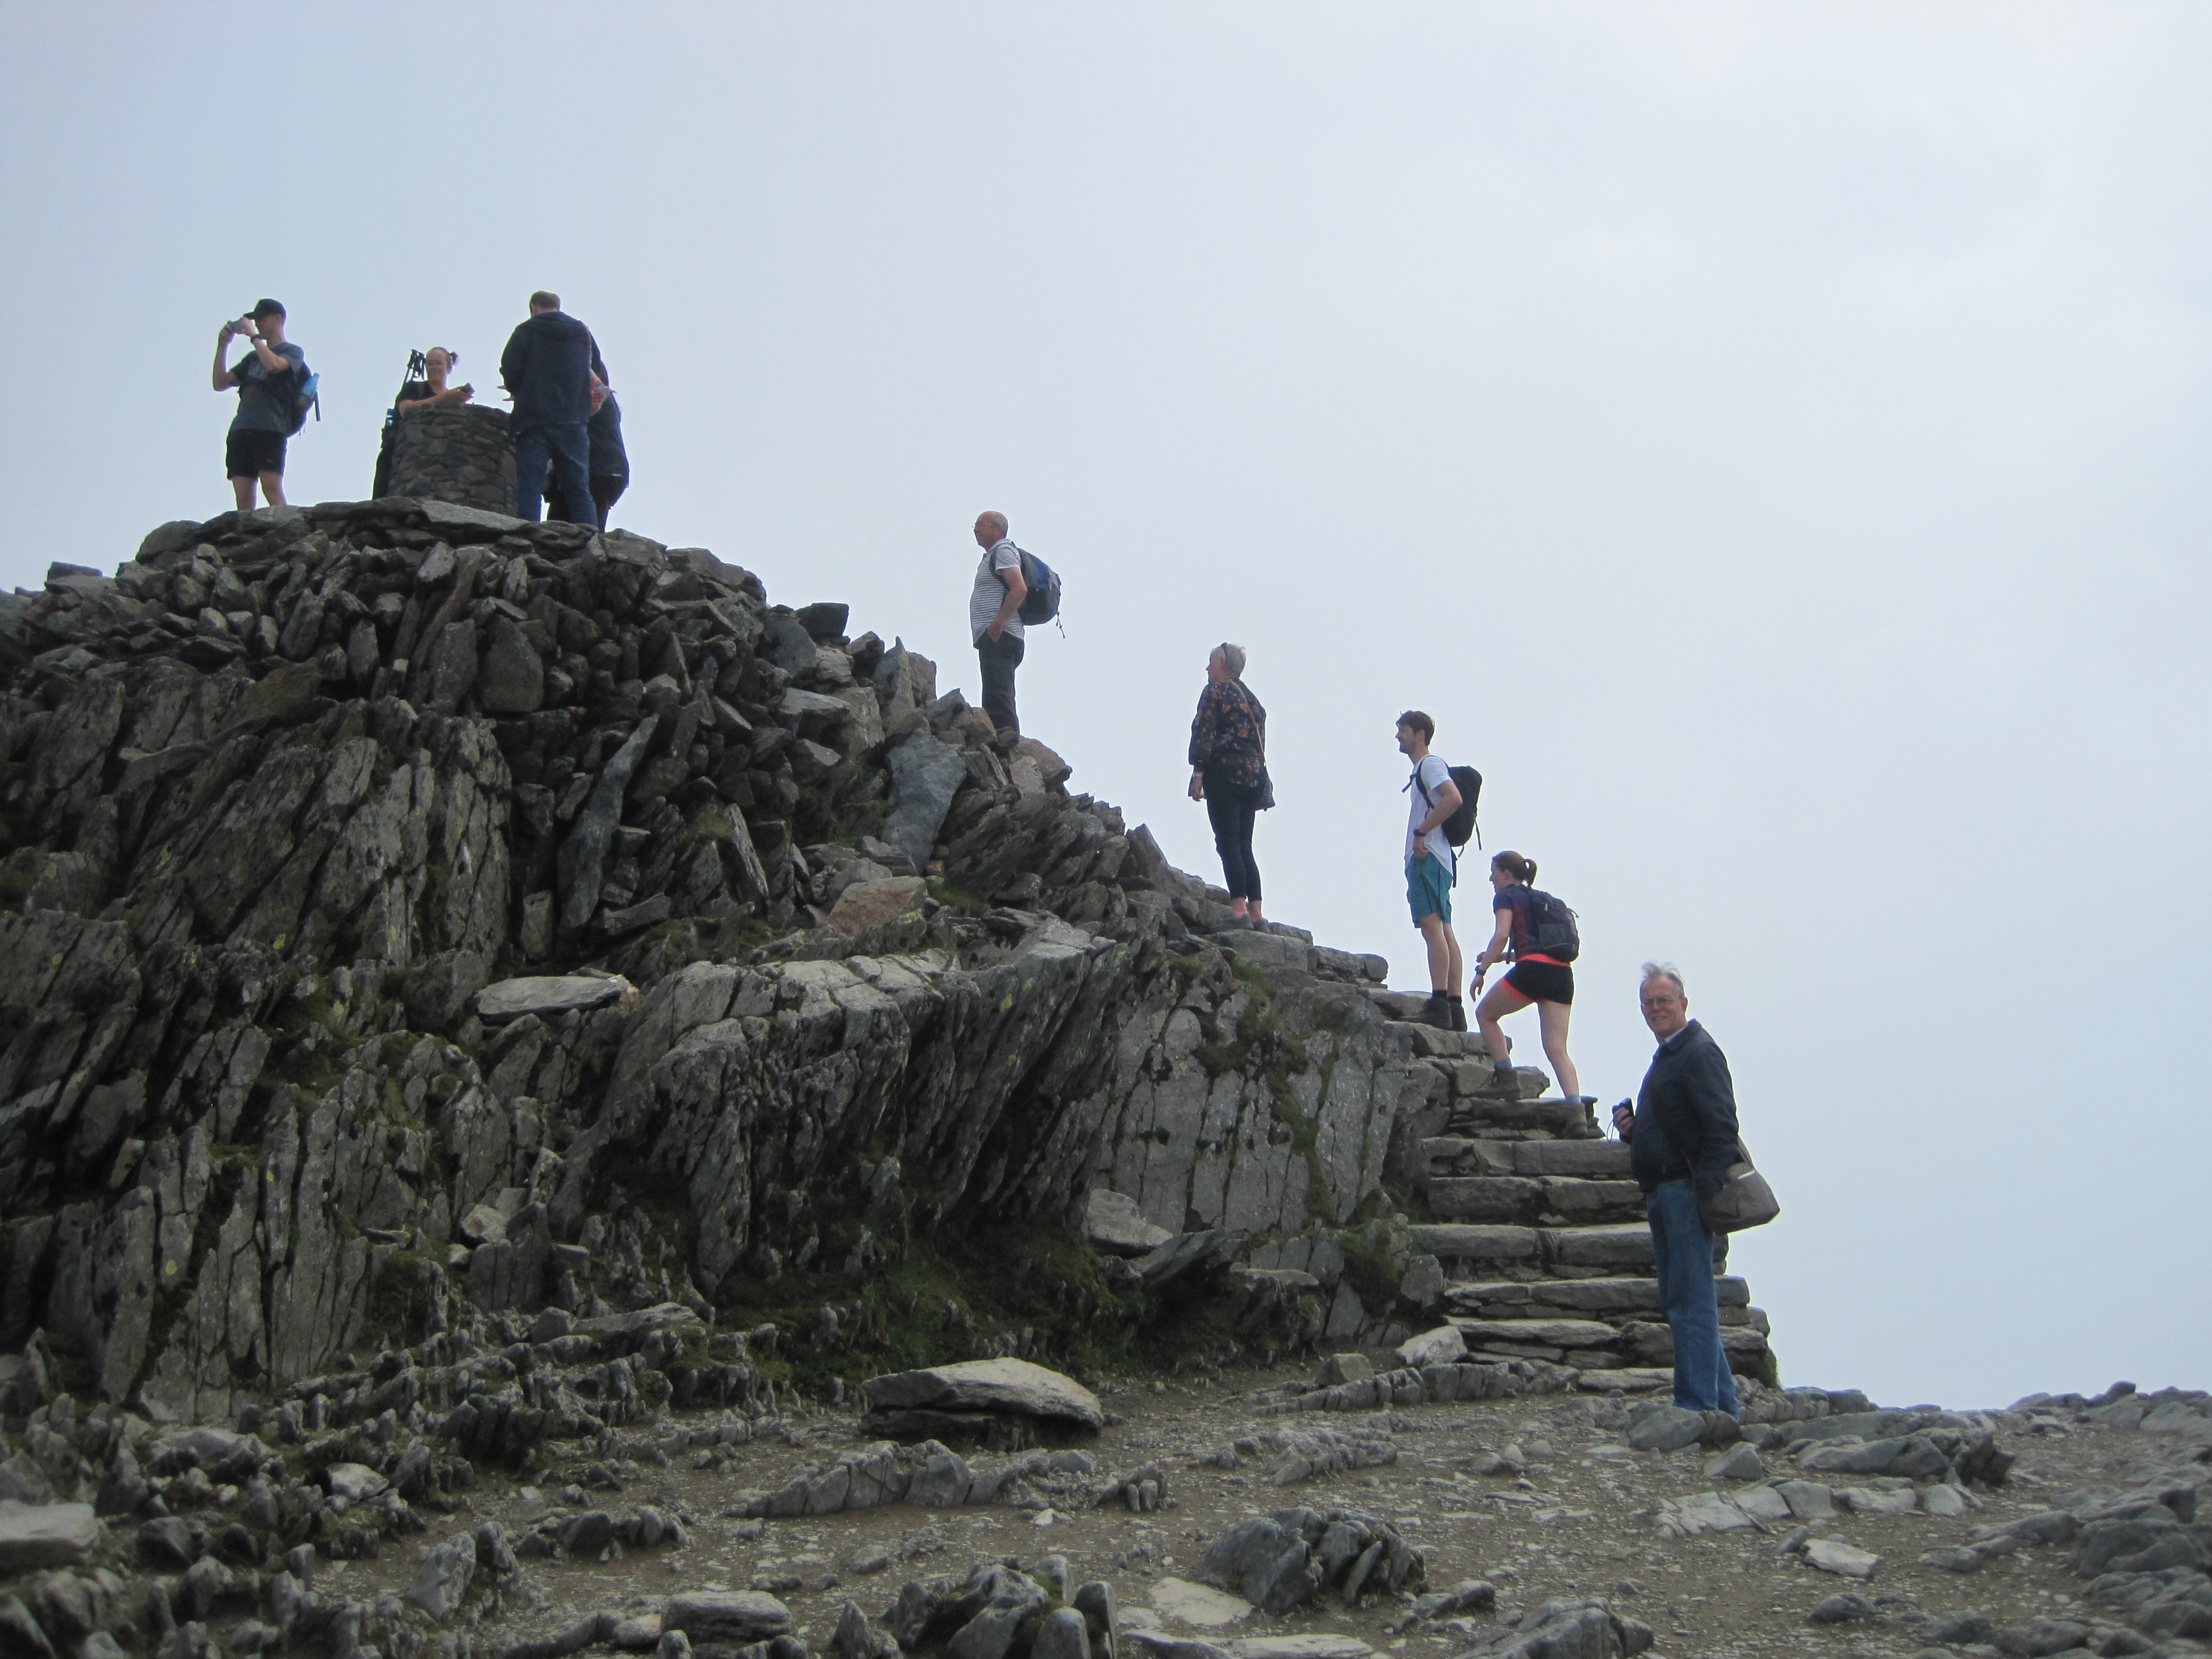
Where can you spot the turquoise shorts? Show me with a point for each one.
(1428, 889)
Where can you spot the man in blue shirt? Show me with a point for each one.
(1681, 1138)
(268, 383)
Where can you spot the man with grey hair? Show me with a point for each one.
(1682, 1136)
(995, 619)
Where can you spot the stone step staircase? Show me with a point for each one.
(1539, 1225)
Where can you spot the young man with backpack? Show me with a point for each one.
(272, 386)
(1430, 866)
(995, 619)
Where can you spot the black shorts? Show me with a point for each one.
(249, 454)
(1542, 981)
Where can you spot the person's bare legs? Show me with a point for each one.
(1445, 965)
(272, 489)
(243, 490)
(1554, 1017)
(1500, 1001)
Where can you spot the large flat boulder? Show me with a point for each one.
(36, 1535)
(548, 994)
(988, 1385)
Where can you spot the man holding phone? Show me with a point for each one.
(267, 380)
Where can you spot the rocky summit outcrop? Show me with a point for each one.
(425, 930)
(503, 982)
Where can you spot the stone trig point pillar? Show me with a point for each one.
(460, 453)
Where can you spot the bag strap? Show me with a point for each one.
(1252, 708)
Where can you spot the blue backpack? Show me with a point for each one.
(1041, 603)
(306, 399)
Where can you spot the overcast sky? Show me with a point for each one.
(1770, 440)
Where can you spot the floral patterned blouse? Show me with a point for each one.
(1229, 736)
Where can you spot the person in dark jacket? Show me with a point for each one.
(610, 466)
(547, 369)
(1229, 773)
(1681, 1138)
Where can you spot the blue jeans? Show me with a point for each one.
(1684, 1248)
(569, 448)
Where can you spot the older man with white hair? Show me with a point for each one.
(1682, 1136)
(995, 619)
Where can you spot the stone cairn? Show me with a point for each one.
(454, 453)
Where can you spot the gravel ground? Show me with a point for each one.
(1580, 1519)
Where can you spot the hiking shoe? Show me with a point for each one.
(1435, 1011)
(1501, 1082)
(1458, 1013)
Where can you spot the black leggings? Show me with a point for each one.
(1234, 811)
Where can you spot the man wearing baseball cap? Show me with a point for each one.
(267, 381)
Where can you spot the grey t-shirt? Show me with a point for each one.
(260, 408)
(989, 593)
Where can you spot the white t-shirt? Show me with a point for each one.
(1434, 774)
(989, 593)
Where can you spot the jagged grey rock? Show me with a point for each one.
(1441, 1347)
(926, 774)
(36, 1535)
(729, 1618)
(1845, 1560)
(1112, 1221)
(1666, 1428)
(1563, 1629)
(443, 1578)
(586, 849)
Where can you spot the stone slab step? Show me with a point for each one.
(1509, 1298)
(1553, 1332)
(1564, 1119)
(1620, 1244)
(1459, 1155)
(1593, 1343)
(1629, 1379)
(1468, 1242)
(1559, 1200)
(1573, 1252)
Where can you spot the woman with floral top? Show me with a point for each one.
(1229, 773)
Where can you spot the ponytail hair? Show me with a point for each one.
(1521, 870)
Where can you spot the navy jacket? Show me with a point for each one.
(1685, 1126)
(547, 367)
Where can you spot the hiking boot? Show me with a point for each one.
(1004, 738)
(1435, 1011)
(1458, 1012)
(1501, 1082)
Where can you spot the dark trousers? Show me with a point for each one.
(1000, 658)
(1234, 811)
(569, 446)
(606, 490)
(1685, 1249)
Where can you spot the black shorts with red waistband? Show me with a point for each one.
(1542, 981)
